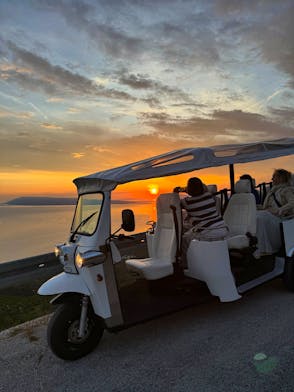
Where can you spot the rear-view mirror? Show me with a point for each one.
(128, 220)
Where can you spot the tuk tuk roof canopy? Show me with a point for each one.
(183, 161)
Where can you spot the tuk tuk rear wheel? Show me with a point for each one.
(288, 276)
(63, 330)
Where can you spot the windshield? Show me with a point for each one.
(87, 213)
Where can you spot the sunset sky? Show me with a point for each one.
(89, 85)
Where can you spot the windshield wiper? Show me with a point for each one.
(81, 224)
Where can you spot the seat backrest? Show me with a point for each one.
(240, 214)
(212, 188)
(164, 244)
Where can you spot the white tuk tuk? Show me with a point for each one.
(103, 287)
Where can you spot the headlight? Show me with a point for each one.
(79, 260)
(89, 258)
(60, 250)
(57, 251)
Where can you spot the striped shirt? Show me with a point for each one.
(202, 212)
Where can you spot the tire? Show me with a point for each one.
(62, 332)
(288, 276)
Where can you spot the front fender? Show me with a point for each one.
(64, 283)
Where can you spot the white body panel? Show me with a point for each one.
(98, 290)
(64, 283)
(209, 262)
(84, 283)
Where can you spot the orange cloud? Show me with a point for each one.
(78, 155)
(22, 115)
(51, 126)
(55, 99)
(73, 110)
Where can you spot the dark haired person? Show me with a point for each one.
(203, 221)
(278, 205)
(253, 190)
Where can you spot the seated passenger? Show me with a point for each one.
(253, 190)
(202, 220)
(280, 199)
(278, 204)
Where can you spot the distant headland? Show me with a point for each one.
(50, 201)
(41, 201)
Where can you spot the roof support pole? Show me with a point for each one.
(232, 178)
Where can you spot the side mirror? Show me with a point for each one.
(128, 220)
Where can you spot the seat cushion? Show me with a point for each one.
(238, 242)
(150, 268)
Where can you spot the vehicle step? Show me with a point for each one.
(278, 270)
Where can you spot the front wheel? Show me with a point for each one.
(288, 276)
(63, 331)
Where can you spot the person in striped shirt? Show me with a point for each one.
(203, 221)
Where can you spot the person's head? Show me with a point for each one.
(281, 176)
(195, 186)
(248, 177)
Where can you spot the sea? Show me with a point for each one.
(27, 231)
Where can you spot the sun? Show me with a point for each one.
(153, 189)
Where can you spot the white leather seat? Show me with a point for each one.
(240, 216)
(162, 245)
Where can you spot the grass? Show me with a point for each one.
(16, 309)
(19, 302)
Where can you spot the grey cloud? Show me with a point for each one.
(187, 37)
(56, 74)
(53, 79)
(278, 44)
(237, 7)
(273, 38)
(194, 43)
(153, 102)
(190, 104)
(285, 114)
(244, 125)
(136, 81)
(265, 27)
(113, 41)
(32, 83)
(143, 82)
(223, 7)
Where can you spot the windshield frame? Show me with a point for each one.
(80, 230)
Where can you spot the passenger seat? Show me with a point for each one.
(163, 244)
(240, 216)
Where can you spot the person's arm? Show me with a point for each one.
(270, 205)
(288, 202)
(178, 189)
